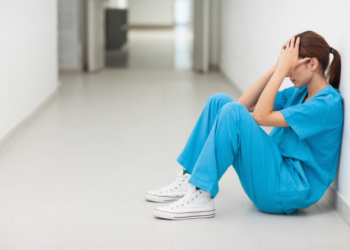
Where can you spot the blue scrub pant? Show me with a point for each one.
(226, 134)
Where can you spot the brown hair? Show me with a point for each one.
(314, 45)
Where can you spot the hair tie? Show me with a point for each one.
(331, 49)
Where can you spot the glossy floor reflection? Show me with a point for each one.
(154, 49)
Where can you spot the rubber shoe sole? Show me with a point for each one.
(184, 215)
(161, 198)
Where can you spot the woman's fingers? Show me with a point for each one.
(284, 45)
(304, 60)
(292, 42)
(297, 43)
(288, 43)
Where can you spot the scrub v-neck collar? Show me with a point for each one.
(318, 93)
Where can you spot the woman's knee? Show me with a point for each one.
(233, 107)
(220, 97)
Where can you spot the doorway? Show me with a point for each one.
(155, 41)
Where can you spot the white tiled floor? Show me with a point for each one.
(74, 177)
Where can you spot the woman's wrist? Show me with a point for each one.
(281, 68)
(275, 66)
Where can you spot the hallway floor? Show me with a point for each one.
(75, 175)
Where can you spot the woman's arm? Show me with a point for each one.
(251, 109)
(288, 59)
(251, 96)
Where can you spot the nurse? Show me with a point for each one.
(280, 172)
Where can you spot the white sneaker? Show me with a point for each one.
(172, 192)
(195, 204)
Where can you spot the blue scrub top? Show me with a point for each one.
(310, 146)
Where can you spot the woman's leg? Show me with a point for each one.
(236, 139)
(201, 130)
(188, 157)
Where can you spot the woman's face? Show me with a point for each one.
(301, 74)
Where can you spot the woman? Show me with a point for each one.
(288, 169)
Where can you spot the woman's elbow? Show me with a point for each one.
(256, 118)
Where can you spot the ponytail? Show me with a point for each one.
(333, 72)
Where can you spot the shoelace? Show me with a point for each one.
(179, 180)
(184, 200)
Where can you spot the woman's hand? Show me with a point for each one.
(283, 46)
(288, 57)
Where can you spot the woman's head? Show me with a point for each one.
(315, 46)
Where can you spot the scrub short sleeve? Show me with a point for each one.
(308, 118)
(282, 98)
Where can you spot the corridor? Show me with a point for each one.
(74, 176)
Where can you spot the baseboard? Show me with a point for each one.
(26, 119)
(339, 203)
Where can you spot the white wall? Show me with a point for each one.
(251, 37)
(69, 35)
(214, 33)
(201, 31)
(151, 12)
(28, 61)
(95, 35)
